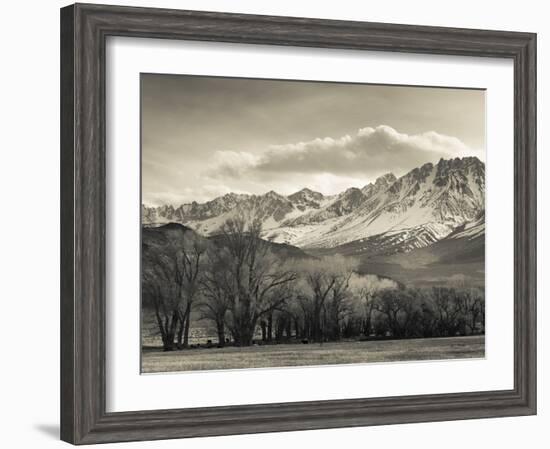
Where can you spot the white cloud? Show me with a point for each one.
(201, 193)
(368, 153)
(231, 163)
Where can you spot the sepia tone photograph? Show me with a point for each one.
(305, 223)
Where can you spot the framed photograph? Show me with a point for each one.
(275, 223)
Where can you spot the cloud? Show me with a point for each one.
(233, 163)
(368, 153)
(199, 193)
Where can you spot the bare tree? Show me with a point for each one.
(399, 308)
(256, 278)
(364, 289)
(321, 284)
(338, 305)
(160, 287)
(472, 304)
(448, 310)
(389, 304)
(325, 281)
(170, 279)
(215, 292)
(189, 258)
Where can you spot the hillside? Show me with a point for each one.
(157, 237)
(458, 258)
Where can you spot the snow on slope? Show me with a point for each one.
(423, 206)
(470, 230)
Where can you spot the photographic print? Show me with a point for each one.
(305, 223)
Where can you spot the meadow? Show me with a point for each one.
(296, 354)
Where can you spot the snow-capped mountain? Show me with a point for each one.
(307, 199)
(396, 214)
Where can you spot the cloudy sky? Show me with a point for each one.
(203, 137)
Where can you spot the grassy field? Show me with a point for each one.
(313, 354)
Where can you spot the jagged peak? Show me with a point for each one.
(167, 207)
(388, 178)
(381, 183)
(272, 194)
(309, 191)
(233, 196)
(269, 196)
(427, 166)
(351, 190)
(459, 162)
(305, 192)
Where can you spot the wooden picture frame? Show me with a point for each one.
(84, 29)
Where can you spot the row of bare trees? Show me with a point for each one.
(247, 292)
(233, 282)
(333, 304)
(434, 312)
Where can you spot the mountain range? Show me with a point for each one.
(430, 204)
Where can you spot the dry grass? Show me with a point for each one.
(313, 354)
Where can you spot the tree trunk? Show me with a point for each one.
(316, 324)
(170, 332)
(270, 327)
(159, 324)
(264, 330)
(168, 343)
(180, 333)
(245, 337)
(186, 326)
(288, 328)
(368, 323)
(221, 333)
(243, 333)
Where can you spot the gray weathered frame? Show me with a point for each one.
(84, 29)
